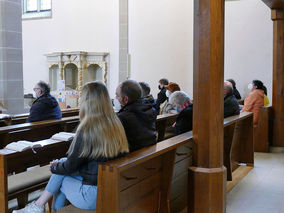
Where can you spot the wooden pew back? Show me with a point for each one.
(21, 118)
(140, 181)
(45, 129)
(238, 141)
(37, 130)
(261, 130)
(12, 161)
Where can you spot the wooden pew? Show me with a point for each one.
(45, 129)
(37, 130)
(261, 130)
(138, 182)
(238, 142)
(21, 118)
(19, 185)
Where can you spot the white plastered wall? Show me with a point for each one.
(89, 25)
(160, 40)
(248, 44)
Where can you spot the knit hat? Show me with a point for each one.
(172, 87)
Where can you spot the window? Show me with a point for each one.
(36, 9)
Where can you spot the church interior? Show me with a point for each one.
(224, 165)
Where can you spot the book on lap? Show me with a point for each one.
(63, 136)
(22, 146)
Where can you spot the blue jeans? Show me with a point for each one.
(64, 187)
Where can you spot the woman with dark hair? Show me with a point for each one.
(235, 91)
(266, 100)
(255, 99)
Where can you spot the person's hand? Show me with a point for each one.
(52, 162)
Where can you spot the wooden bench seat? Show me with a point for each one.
(140, 181)
(24, 182)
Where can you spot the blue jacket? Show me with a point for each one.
(44, 108)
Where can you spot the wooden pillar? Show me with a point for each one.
(277, 16)
(207, 178)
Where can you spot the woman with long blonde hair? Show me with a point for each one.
(99, 137)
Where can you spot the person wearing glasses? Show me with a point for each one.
(45, 107)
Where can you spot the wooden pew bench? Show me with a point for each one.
(238, 142)
(21, 184)
(36, 130)
(140, 181)
(261, 130)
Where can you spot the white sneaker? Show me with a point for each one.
(31, 208)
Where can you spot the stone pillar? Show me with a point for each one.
(277, 16)
(207, 178)
(80, 80)
(123, 40)
(11, 56)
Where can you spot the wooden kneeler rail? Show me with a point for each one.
(139, 182)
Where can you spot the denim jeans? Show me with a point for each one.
(64, 187)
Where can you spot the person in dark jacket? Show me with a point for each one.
(183, 105)
(137, 117)
(235, 91)
(231, 105)
(100, 137)
(45, 107)
(148, 98)
(162, 94)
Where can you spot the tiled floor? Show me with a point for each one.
(262, 190)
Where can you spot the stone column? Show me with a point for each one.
(11, 56)
(123, 40)
(80, 80)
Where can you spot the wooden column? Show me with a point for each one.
(208, 178)
(277, 16)
(278, 77)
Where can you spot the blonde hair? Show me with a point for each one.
(102, 132)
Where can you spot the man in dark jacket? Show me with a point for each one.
(137, 117)
(231, 105)
(45, 107)
(162, 94)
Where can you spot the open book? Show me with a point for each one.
(22, 146)
(63, 136)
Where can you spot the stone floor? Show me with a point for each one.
(262, 190)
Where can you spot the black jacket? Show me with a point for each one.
(139, 121)
(237, 94)
(161, 98)
(231, 105)
(75, 165)
(184, 120)
(44, 108)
